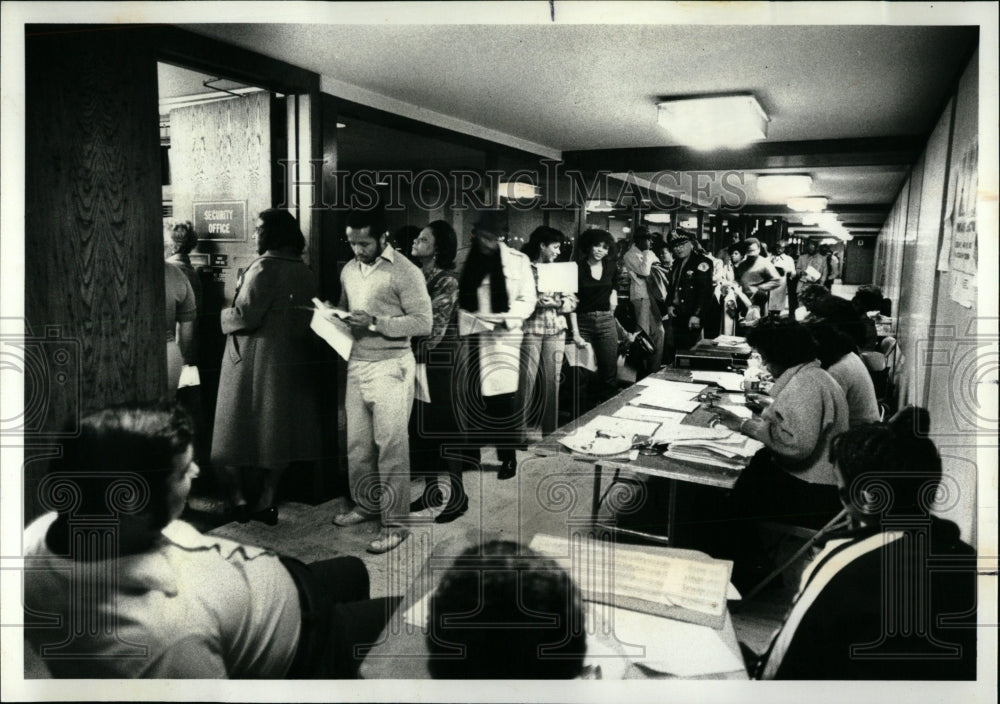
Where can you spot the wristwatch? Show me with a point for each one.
(371, 325)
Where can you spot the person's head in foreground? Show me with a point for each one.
(888, 470)
(136, 459)
(503, 611)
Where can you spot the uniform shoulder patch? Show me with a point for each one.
(703, 266)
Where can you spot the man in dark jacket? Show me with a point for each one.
(690, 292)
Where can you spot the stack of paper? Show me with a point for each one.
(730, 381)
(683, 401)
(686, 588)
(732, 451)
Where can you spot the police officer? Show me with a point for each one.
(691, 289)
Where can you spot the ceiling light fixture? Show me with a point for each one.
(715, 121)
(518, 190)
(658, 218)
(814, 204)
(782, 186)
(598, 206)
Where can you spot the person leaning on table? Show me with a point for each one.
(161, 600)
(791, 480)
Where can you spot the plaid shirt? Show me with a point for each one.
(549, 317)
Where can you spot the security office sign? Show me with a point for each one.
(221, 220)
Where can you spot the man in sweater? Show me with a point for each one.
(388, 303)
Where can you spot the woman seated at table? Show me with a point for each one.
(502, 611)
(876, 603)
(792, 479)
(163, 600)
(838, 354)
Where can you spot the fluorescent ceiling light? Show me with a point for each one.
(658, 217)
(689, 223)
(518, 190)
(807, 204)
(782, 186)
(713, 122)
(599, 206)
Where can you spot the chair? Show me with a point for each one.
(838, 522)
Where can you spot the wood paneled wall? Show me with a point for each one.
(93, 242)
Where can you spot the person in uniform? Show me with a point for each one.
(690, 292)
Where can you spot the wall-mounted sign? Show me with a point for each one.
(221, 220)
(220, 259)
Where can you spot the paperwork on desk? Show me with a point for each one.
(731, 451)
(678, 400)
(686, 588)
(332, 328)
(730, 381)
(609, 436)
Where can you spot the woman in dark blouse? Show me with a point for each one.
(432, 423)
(593, 320)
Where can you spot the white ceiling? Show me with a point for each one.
(584, 87)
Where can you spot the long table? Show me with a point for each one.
(671, 469)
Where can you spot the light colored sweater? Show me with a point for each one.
(396, 294)
(852, 375)
(808, 411)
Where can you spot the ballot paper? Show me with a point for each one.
(469, 324)
(655, 397)
(660, 583)
(559, 277)
(581, 356)
(655, 415)
(730, 381)
(669, 386)
(334, 331)
(732, 451)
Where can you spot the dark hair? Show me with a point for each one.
(373, 218)
(183, 238)
(445, 243)
(889, 468)
(742, 247)
(279, 231)
(121, 440)
(593, 236)
(831, 343)
(867, 298)
(841, 314)
(812, 294)
(502, 611)
(541, 236)
(659, 246)
(782, 342)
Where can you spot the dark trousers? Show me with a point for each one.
(339, 621)
(684, 337)
(484, 420)
(599, 329)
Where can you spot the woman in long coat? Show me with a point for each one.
(267, 410)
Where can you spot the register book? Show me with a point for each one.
(682, 585)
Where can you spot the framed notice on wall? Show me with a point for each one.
(221, 220)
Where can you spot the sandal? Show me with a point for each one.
(352, 518)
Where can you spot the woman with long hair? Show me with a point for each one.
(544, 341)
(433, 425)
(496, 292)
(267, 414)
(594, 322)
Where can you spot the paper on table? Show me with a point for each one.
(607, 435)
(674, 647)
(741, 411)
(469, 324)
(581, 356)
(670, 433)
(730, 340)
(730, 381)
(671, 401)
(650, 414)
(604, 572)
(558, 277)
(670, 386)
(336, 333)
